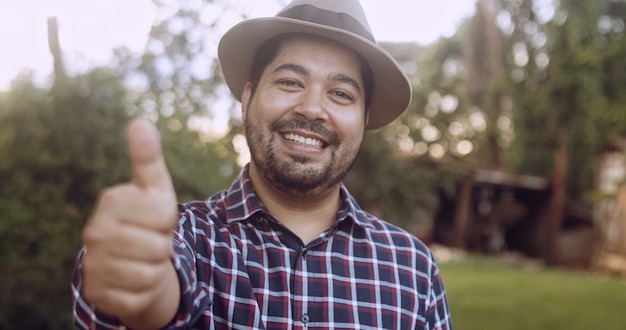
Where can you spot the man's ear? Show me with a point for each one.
(245, 100)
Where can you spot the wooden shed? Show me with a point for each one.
(496, 211)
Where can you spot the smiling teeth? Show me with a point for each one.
(302, 140)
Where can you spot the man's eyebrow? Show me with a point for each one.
(293, 68)
(344, 78)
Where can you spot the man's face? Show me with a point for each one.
(306, 120)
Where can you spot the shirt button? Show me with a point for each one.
(305, 318)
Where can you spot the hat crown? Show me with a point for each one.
(347, 15)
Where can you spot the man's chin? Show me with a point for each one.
(301, 178)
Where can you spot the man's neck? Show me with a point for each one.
(307, 218)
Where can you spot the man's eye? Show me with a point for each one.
(289, 83)
(343, 95)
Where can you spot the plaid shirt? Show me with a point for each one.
(239, 268)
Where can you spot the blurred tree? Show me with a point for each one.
(565, 93)
(176, 83)
(392, 178)
(486, 85)
(557, 112)
(58, 147)
(612, 45)
(521, 82)
(524, 79)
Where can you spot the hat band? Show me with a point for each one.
(329, 18)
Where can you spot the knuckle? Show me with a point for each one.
(146, 276)
(132, 304)
(92, 292)
(91, 235)
(90, 295)
(88, 265)
(163, 248)
(109, 197)
(165, 216)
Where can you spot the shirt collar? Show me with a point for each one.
(241, 203)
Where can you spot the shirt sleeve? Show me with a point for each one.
(438, 311)
(193, 299)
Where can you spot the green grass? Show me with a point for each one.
(489, 294)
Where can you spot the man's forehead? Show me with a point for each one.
(314, 41)
(314, 49)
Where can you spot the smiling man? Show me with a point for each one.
(286, 246)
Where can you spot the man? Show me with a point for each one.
(286, 246)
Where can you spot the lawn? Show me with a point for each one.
(490, 294)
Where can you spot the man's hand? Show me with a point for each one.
(127, 268)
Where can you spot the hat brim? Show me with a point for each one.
(392, 89)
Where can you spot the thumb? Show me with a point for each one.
(146, 157)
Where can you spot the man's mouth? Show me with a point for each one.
(307, 141)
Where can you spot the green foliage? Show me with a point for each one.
(555, 80)
(574, 105)
(176, 83)
(58, 147)
(393, 181)
(404, 192)
(198, 168)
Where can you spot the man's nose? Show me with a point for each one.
(313, 106)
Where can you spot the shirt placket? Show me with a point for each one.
(299, 296)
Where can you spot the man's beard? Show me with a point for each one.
(296, 177)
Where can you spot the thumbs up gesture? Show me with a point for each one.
(127, 268)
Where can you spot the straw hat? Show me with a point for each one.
(340, 20)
